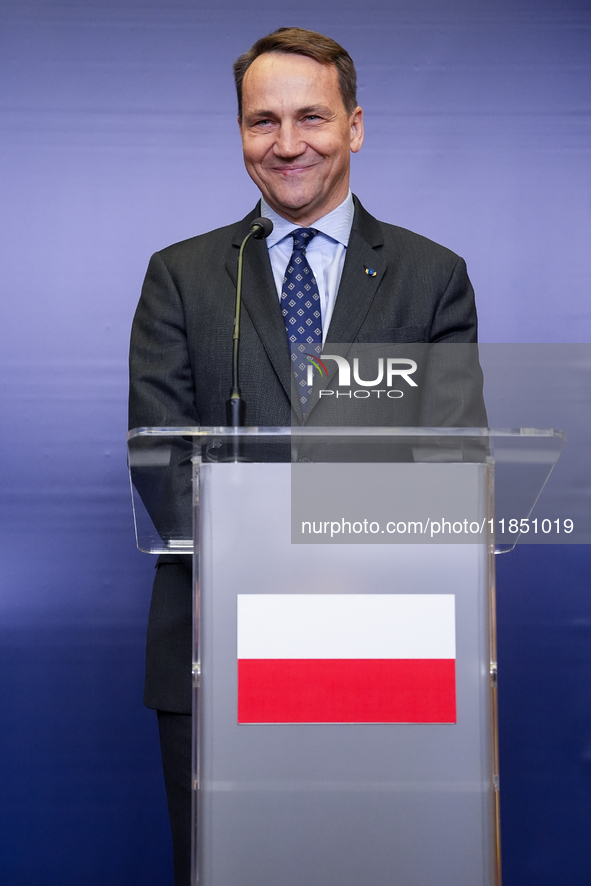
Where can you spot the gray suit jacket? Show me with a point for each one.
(180, 366)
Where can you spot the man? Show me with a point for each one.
(367, 282)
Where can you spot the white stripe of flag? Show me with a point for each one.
(341, 626)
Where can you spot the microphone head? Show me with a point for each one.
(261, 228)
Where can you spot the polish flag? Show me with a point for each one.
(346, 658)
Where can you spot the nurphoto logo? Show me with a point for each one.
(389, 371)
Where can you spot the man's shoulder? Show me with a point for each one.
(209, 243)
(394, 234)
(396, 240)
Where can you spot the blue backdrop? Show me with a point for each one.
(118, 137)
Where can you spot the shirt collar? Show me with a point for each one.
(336, 224)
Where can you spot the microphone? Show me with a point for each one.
(261, 228)
(236, 406)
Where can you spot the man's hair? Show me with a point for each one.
(301, 42)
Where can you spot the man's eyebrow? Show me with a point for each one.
(301, 112)
(315, 109)
(262, 113)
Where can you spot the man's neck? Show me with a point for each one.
(268, 211)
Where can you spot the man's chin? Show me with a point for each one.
(290, 203)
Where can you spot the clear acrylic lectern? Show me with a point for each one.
(345, 663)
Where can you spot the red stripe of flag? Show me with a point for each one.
(346, 691)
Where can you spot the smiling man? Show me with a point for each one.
(298, 134)
(361, 281)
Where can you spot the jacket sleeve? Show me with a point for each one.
(162, 387)
(162, 394)
(455, 318)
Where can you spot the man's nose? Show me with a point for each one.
(288, 142)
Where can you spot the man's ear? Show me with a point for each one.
(356, 129)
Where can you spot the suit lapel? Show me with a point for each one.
(357, 288)
(260, 300)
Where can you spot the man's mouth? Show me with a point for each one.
(293, 170)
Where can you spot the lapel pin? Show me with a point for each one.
(370, 271)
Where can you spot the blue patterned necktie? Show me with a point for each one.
(300, 305)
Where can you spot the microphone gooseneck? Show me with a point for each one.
(236, 406)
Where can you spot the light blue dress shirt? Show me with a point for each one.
(326, 252)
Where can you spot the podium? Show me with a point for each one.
(345, 656)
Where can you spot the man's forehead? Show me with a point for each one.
(288, 66)
(291, 78)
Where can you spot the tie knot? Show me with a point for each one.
(301, 238)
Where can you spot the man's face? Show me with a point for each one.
(297, 136)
